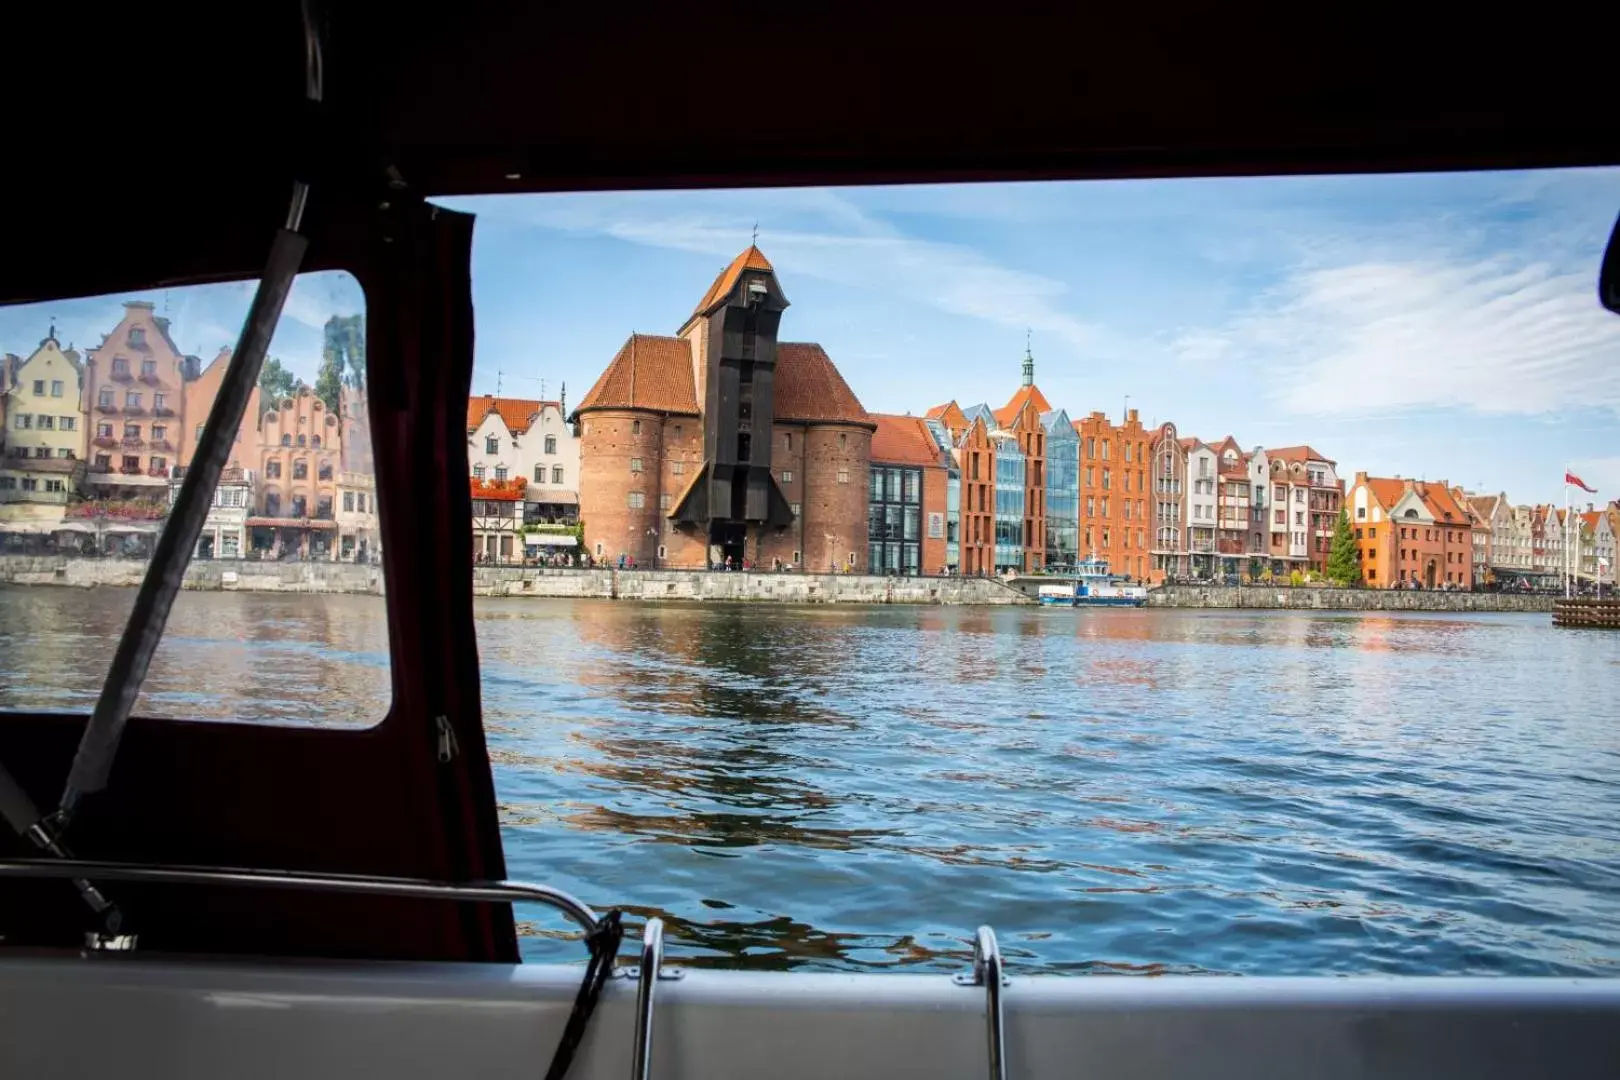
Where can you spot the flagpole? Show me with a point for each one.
(1568, 589)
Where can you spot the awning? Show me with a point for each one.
(30, 528)
(60, 466)
(74, 526)
(550, 540)
(291, 523)
(556, 497)
(133, 527)
(110, 479)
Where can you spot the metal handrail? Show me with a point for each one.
(988, 974)
(312, 881)
(652, 962)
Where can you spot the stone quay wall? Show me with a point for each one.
(336, 577)
(1262, 597)
(787, 588)
(213, 575)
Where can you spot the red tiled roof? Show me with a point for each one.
(1441, 503)
(809, 387)
(1297, 453)
(516, 413)
(751, 259)
(1386, 490)
(938, 411)
(649, 372)
(1009, 412)
(903, 440)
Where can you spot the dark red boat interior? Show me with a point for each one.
(164, 152)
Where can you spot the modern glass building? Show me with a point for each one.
(1062, 491)
(894, 520)
(1009, 505)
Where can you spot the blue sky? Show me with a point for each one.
(1442, 326)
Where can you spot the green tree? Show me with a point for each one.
(329, 380)
(275, 384)
(1344, 563)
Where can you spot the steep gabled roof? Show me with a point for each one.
(809, 386)
(750, 259)
(650, 372)
(516, 413)
(903, 440)
(1298, 453)
(1026, 394)
(1386, 491)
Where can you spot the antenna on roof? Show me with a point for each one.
(755, 242)
(498, 374)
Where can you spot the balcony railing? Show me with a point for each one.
(122, 376)
(134, 410)
(1230, 547)
(157, 471)
(107, 407)
(133, 442)
(163, 444)
(162, 410)
(105, 440)
(150, 377)
(100, 467)
(130, 470)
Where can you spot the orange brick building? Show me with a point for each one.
(1116, 522)
(1411, 533)
(906, 508)
(721, 443)
(1022, 417)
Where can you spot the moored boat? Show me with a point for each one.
(1093, 586)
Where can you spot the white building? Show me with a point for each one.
(224, 531)
(512, 438)
(1202, 469)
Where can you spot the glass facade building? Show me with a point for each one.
(1062, 491)
(1009, 506)
(894, 520)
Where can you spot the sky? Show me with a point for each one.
(1439, 326)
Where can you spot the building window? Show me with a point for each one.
(663, 501)
(47, 423)
(843, 474)
(303, 440)
(478, 472)
(30, 484)
(148, 369)
(635, 464)
(132, 464)
(159, 464)
(56, 388)
(796, 508)
(787, 476)
(272, 469)
(551, 443)
(492, 445)
(539, 474)
(500, 472)
(663, 553)
(132, 399)
(132, 431)
(787, 441)
(24, 422)
(300, 470)
(635, 427)
(39, 387)
(636, 500)
(286, 440)
(556, 474)
(120, 367)
(843, 444)
(348, 500)
(137, 337)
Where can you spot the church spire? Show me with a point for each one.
(1029, 362)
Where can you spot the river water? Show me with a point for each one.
(858, 788)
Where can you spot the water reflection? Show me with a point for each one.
(858, 788)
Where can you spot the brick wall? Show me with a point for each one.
(830, 477)
(611, 442)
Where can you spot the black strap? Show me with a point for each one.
(604, 945)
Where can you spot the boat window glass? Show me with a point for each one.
(282, 620)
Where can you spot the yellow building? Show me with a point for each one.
(43, 465)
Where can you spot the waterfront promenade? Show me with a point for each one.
(227, 575)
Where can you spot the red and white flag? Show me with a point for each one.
(1571, 478)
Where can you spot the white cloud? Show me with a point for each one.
(1496, 335)
(841, 243)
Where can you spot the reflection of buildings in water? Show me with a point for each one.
(781, 943)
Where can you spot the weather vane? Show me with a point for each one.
(756, 234)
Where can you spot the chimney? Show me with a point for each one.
(1361, 478)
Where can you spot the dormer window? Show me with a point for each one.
(137, 337)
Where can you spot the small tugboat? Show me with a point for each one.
(1093, 586)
